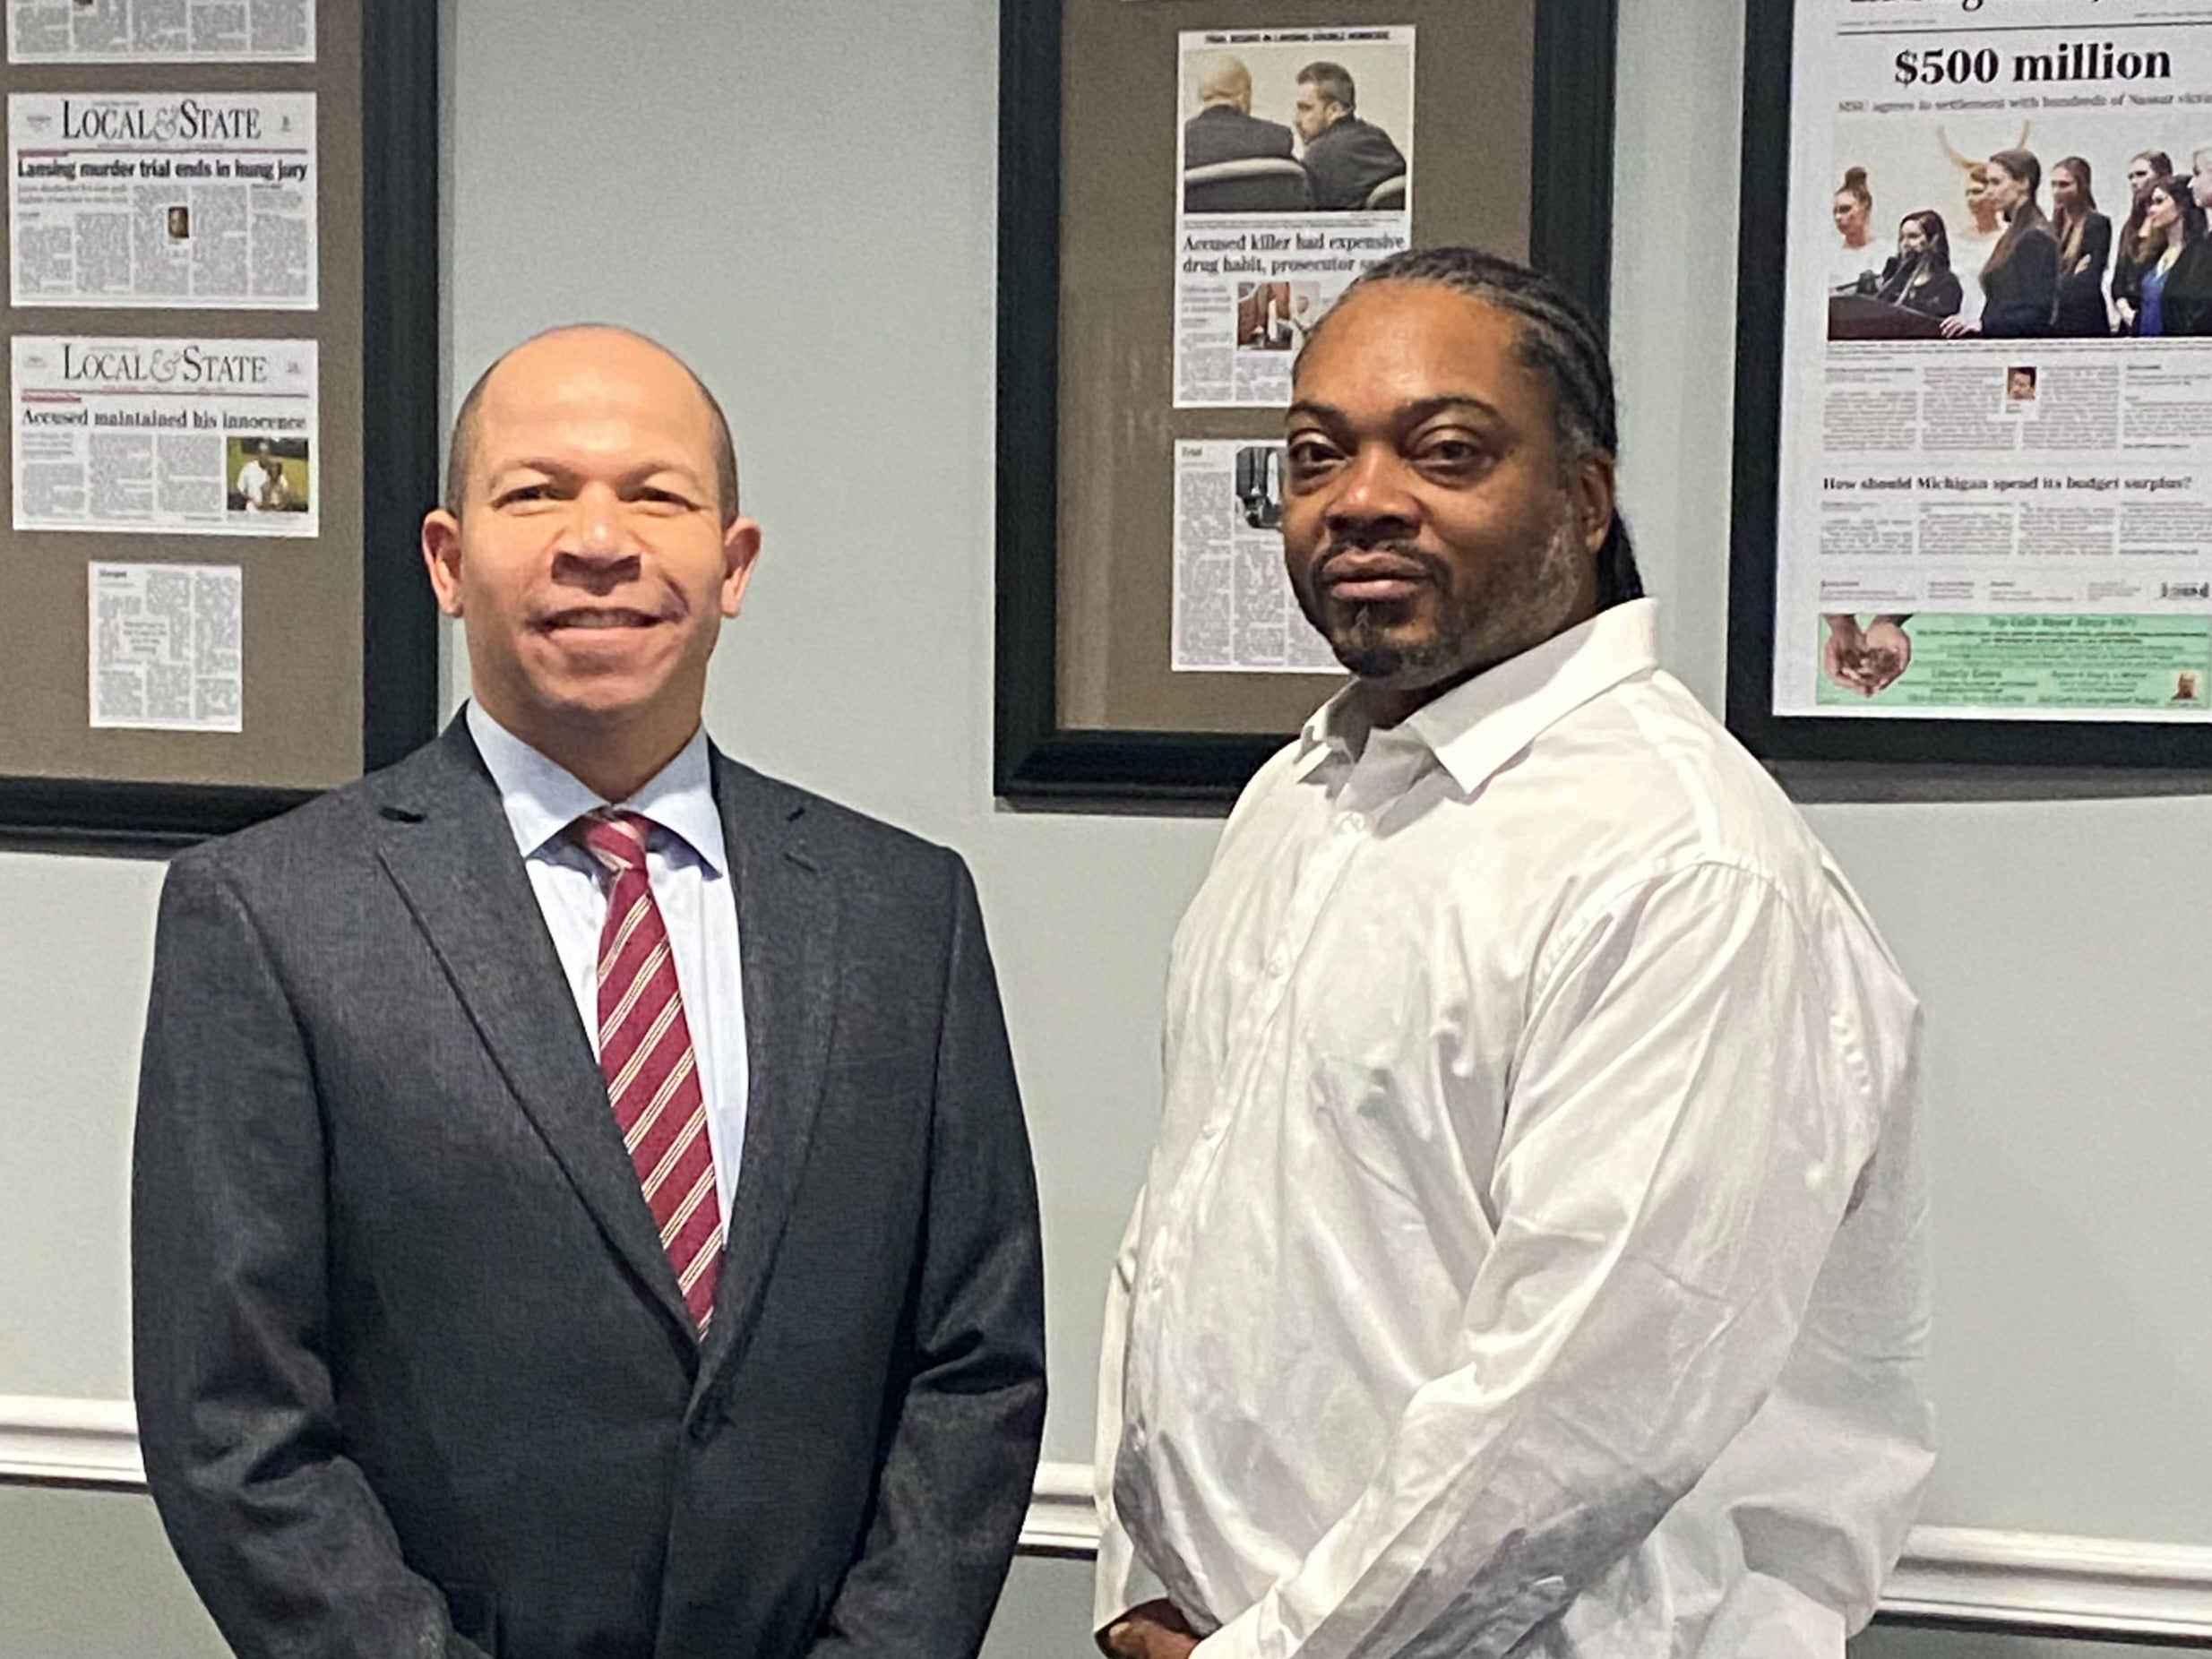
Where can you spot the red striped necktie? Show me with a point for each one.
(652, 1074)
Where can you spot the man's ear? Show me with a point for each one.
(741, 550)
(440, 543)
(1595, 502)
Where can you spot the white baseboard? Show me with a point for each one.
(1960, 1575)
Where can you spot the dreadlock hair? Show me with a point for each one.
(1561, 346)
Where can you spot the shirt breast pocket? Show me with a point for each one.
(1362, 1114)
(1373, 1048)
(1403, 1072)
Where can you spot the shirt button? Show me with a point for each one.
(1213, 1129)
(1279, 964)
(1155, 1279)
(1354, 822)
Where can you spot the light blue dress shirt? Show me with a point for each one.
(687, 862)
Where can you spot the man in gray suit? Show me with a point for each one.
(1225, 129)
(581, 1206)
(1345, 157)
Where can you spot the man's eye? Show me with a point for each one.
(1308, 454)
(1450, 452)
(666, 499)
(523, 493)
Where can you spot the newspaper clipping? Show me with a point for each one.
(166, 31)
(213, 437)
(202, 201)
(1234, 611)
(1297, 158)
(166, 651)
(1996, 447)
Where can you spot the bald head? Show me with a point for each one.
(1225, 80)
(561, 355)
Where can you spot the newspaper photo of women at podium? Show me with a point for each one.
(1859, 253)
(2020, 279)
(2085, 239)
(1920, 277)
(2176, 290)
(2139, 245)
(1915, 293)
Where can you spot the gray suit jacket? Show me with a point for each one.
(413, 1373)
(1220, 133)
(1348, 159)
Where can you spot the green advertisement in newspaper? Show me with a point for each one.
(2059, 662)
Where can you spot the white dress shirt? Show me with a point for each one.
(687, 865)
(253, 483)
(1531, 1260)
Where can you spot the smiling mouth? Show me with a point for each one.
(599, 619)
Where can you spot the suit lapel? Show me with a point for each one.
(447, 846)
(786, 941)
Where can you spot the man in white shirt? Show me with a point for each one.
(255, 476)
(582, 1208)
(1531, 1260)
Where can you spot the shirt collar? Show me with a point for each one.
(1476, 728)
(542, 799)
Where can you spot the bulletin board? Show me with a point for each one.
(223, 251)
(1152, 298)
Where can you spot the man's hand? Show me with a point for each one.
(1156, 1630)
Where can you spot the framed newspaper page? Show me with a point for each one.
(1184, 190)
(222, 323)
(1972, 507)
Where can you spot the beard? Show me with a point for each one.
(1366, 640)
(1477, 620)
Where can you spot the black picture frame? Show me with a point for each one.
(1034, 758)
(1810, 752)
(399, 435)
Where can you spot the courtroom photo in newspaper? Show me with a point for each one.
(160, 31)
(174, 199)
(210, 437)
(167, 647)
(1995, 458)
(1234, 610)
(1296, 173)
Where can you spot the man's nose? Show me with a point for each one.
(598, 528)
(1373, 488)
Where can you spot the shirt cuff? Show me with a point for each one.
(1236, 1639)
(1124, 1580)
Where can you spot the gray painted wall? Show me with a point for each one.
(831, 275)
